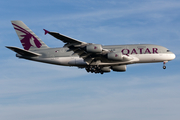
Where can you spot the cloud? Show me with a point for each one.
(108, 101)
(116, 12)
(134, 22)
(32, 90)
(22, 77)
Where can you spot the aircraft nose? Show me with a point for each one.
(173, 56)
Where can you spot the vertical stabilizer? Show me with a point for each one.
(29, 40)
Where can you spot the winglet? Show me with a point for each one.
(45, 31)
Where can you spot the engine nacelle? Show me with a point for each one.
(115, 56)
(105, 69)
(94, 48)
(119, 68)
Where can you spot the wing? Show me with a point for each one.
(74, 45)
(93, 54)
(64, 38)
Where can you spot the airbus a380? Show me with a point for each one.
(95, 58)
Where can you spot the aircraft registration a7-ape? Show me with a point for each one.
(95, 58)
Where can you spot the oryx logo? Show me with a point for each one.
(26, 38)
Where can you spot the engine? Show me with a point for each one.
(105, 69)
(115, 56)
(94, 48)
(119, 68)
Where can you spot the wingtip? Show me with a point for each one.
(46, 31)
(7, 46)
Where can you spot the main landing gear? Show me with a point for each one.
(94, 69)
(164, 64)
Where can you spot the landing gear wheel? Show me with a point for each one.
(164, 64)
(164, 67)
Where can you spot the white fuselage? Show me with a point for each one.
(135, 53)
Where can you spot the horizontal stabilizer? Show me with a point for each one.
(23, 52)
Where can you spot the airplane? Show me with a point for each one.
(95, 58)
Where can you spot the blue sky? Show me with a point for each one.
(31, 90)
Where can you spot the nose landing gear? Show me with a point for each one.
(164, 67)
(164, 64)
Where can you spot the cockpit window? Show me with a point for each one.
(168, 50)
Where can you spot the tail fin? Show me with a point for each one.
(29, 40)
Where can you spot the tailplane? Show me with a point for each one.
(22, 52)
(29, 40)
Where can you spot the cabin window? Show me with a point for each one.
(168, 50)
